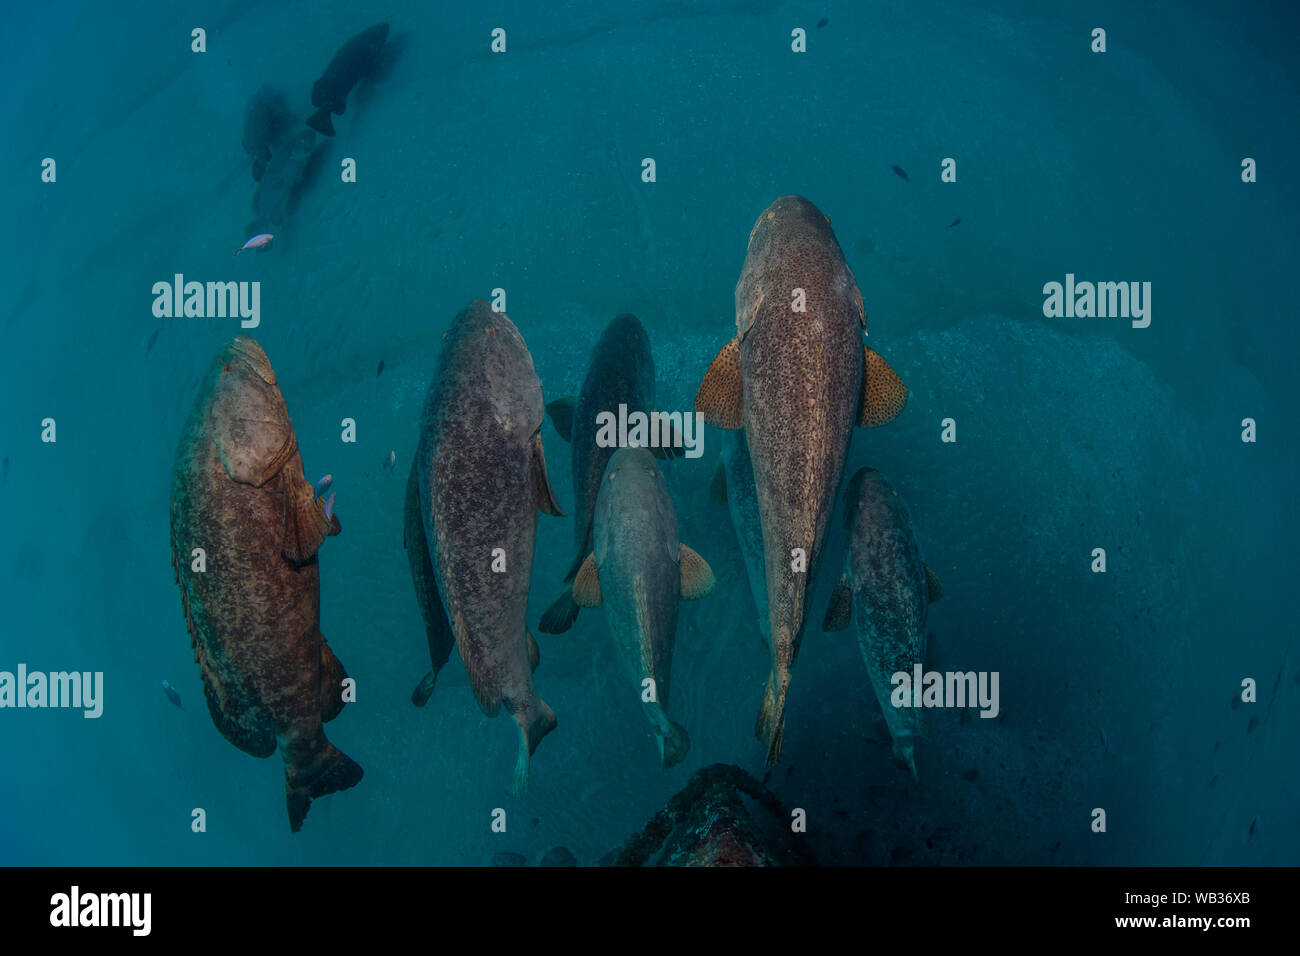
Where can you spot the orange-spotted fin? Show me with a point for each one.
(697, 576)
(883, 392)
(586, 586)
(720, 397)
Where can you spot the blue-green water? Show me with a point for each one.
(522, 171)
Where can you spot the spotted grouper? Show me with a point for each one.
(638, 571)
(797, 377)
(252, 598)
(481, 475)
(889, 589)
(621, 372)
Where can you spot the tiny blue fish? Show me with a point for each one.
(170, 691)
(329, 506)
(323, 486)
(955, 222)
(901, 172)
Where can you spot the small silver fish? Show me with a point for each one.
(390, 461)
(323, 486)
(170, 691)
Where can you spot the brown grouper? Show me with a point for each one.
(638, 571)
(797, 377)
(621, 372)
(357, 59)
(481, 475)
(239, 494)
(888, 588)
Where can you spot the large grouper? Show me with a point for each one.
(638, 570)
(797, 377)
(888, 588)
(621, 372)
(481, 474)
(246, 526)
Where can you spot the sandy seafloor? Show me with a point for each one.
(522, 171)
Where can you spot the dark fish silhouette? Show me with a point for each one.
(822, 22)
(955, 222)
(380, 371)
(901, 172)
(797, 382)
(277, 191)
(238, 492)
(266, 117)
(171, 693)
(355, 60)
(152, 339)
(559, 856)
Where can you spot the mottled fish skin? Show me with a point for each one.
(742, 502)
(238, 492)
(802, 376)
(482, 478)
(638, 560)
(621, 372)
(279, 183)
(890, 596)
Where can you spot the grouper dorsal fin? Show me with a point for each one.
(546, 499)
(883, 392)
(721, 397)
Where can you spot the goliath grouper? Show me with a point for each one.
(238, 492)
(797, 377)
(889, 589)
(621, 372)
(638, 571)
(481, 475)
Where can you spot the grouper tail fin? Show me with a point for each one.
(329, 771)
(770, 727)
(534, 724)
(674, 745)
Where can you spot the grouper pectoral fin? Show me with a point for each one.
(883, 392)
(561, 412)
(721, 398)
(420, 557)
(718, 483)
(840, 609)
(534, 652)
(559, 617)
(932, 585)
(697, 576)
(332, 676)
(586, 586)
(546, 499)
(305, 524)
